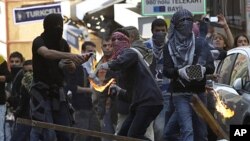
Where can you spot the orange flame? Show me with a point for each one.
(221, 107)
(93, 66)
(101, 88)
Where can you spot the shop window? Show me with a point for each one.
(233, 10)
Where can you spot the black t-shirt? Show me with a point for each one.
(47, 70)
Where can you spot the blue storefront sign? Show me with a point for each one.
(35, 13)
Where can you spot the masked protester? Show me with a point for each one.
(16, 60)
(156, 44)
(50, 55)
(141, 88)
(184, 52)
(5, 76)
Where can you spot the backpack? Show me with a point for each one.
(147, 53)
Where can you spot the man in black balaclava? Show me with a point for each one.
(51, 56)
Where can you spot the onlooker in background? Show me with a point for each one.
(241, 40)
(218, 55)
(229, 39)
(50, 56)
(90, 65)
(106, 103)
(16, 62)
(89, 47)
(182, 51)
(219, 41)
(79, 86)
(138, 43)
(156, 43)
(4, 77)
(142, 90)
(22, 132)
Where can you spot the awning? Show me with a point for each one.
(88, 7)
(123, 12)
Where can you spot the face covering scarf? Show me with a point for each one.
(181, 39)
(159, 39)
(119, 43)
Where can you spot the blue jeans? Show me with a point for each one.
(172, 129)
(163, 117)
(86, 119)
(21, 133)
(8, 129)
(107, 125)
(192, 127)
(2, 121)
(60, 117)
(171, 126)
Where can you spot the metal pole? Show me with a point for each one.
(85, 132)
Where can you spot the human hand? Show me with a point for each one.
(183, 73)
(205, 18)
(68, 65)
(92, 75)
(222, 21)
(114, 90)
(203, 71)
(86, 56)
(77, 59)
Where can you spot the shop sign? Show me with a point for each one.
(72, 39)
(169, 7)
(35, 13)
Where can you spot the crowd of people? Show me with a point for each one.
(150, 98)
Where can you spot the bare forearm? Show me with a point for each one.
(230, 38)
(53, 54)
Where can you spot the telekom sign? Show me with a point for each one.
(169, 7)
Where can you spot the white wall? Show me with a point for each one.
(3, 49)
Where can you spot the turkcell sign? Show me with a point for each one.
(35, 13)
(169, 7)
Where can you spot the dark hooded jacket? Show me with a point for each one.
(140, 85)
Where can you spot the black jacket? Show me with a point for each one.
(201, 49)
